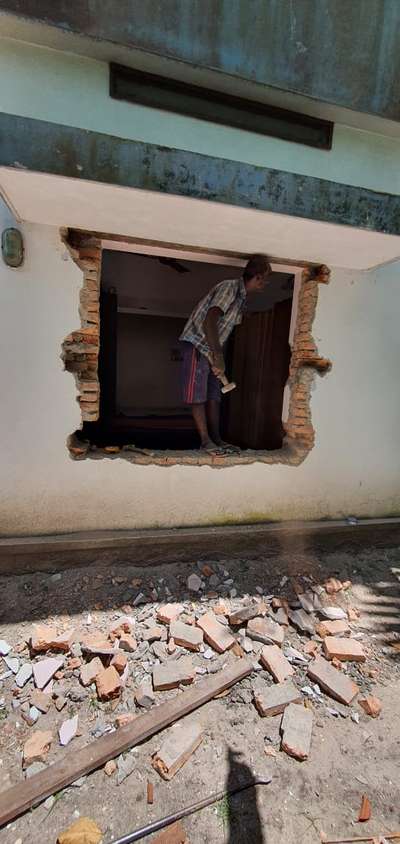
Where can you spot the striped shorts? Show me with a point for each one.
(198, 382)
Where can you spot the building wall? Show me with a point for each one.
(352, 469)
(63, 88)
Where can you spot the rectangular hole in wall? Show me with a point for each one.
(145, 301)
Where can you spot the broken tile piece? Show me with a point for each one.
(44, 670)
(365, 809)
(301, 621)
(265, 630)
(24, 674)
(90, 671)
(296, 728)
(182, 740)
(4, 647)
(169, 612)
(12, 662)
(272, 700)
(194, 582)
(371, 705)
(36, 747)
(343, 649)
(186, 635)
(174, 834)
(215, 633)
(110, 767)
(275, 662)
(68, 730)
(332, 681)
(172, 674)
(144, 694)
(108, 683)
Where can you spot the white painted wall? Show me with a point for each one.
(64, 88)
(353, 469)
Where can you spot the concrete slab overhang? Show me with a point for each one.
(64, 176)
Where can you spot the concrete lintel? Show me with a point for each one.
(43, 147)
(313, 48)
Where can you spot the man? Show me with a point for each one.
(203, 340)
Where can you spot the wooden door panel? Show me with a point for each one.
(260, 367)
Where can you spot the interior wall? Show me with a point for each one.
(353, 468)
(148, 372)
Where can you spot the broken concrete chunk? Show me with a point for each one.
(170, 675)
(272, 700)
(44, 670)
(90, 671)
(371, 705)
(343, 649)
(280, 616)
(332, 628)
(126, 766)
(181, 742)
(60, 702)
(296, 728)
(307, 601)
(41, 700)
(110, 767)
(215, 633)
(332, 613)
(108, 683)
(186, 635)
(128, 643)
(4, 647)
(153, 634)
(301, 621)
(144, 695)
(265, 630)
(333, 585)
(194, 582)
(332, 681)
(68, 730)
(244, 614)
(24, 674)
(169, 612)
(37, 747)
(275, 662)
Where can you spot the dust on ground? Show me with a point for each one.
(351, 753)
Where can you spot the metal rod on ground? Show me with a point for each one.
(183, 813)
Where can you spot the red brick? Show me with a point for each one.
(343, 649)
(216, 634)
(275, 662)
(108, 683)
(334, 682)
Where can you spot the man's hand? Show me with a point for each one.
(218, 364)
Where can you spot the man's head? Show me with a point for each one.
(256, 273)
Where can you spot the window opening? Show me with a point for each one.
(144, 304)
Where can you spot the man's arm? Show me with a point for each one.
(211, 332)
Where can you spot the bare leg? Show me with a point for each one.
(213, 416)
(200, 418)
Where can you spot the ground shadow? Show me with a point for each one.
(243, 818)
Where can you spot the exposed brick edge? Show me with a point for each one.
(305, 361)
(80, 352)
(80, 349)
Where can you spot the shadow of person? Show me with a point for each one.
(244, 822)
